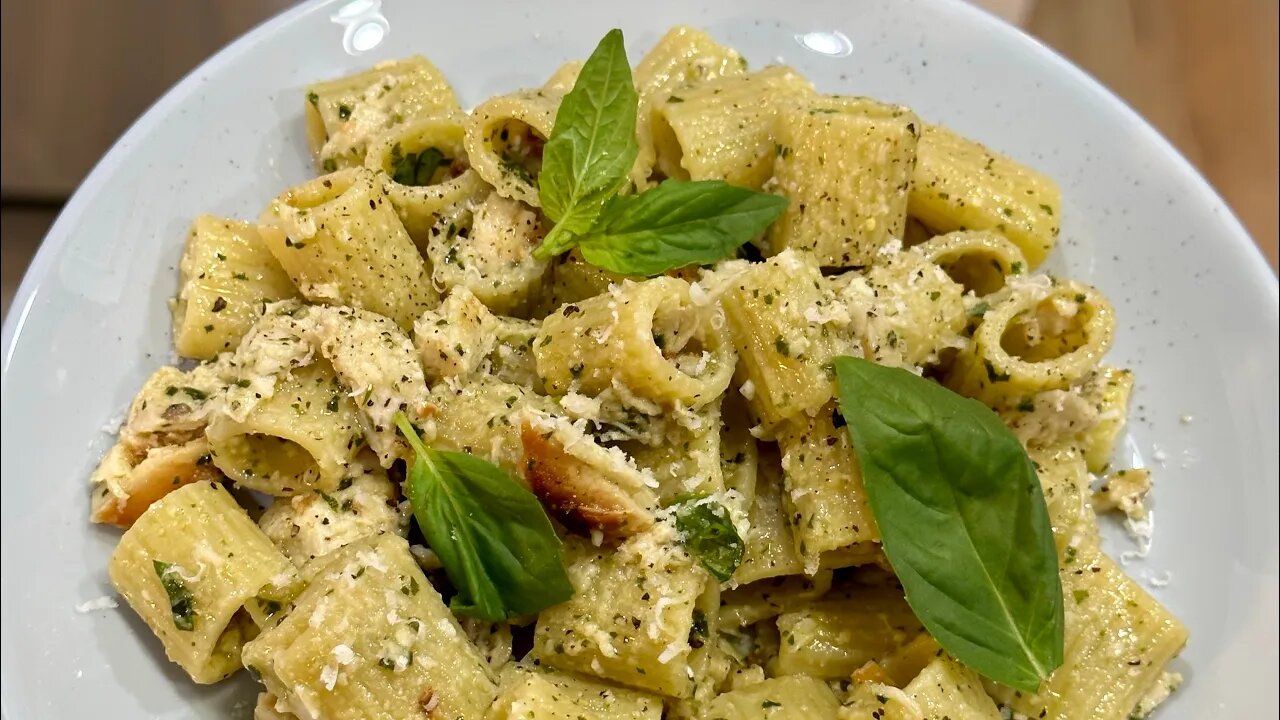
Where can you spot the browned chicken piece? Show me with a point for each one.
(583, 484)
(127, 481)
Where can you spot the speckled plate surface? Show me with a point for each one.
(1197, 305)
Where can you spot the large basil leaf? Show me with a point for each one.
(592, 145)
(963, 520)
(676, 224)
(492, 535)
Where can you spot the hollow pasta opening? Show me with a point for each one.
(678, 334)
(981, 271)
(1056, 326)
(518, 147)
(424, 166)
(423, 154)
(259, 460)
(668, 153)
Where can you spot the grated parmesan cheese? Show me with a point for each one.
(329, 676)
(1140, 531)
(106, 602)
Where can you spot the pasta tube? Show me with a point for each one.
(341, 242)
(187, 567)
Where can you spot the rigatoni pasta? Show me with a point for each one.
(504, 139)
(723, 129)
(393, 344)
(342, 243)
(227, 276)
(188, 566)
(345, 115)
(961, 185)
(846, 166)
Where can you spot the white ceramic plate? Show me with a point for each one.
(1197, 304)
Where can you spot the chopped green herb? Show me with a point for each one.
(419, 168)
(708, 533)
(181, 602)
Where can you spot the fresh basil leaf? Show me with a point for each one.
(416, 169)
(707, 532)
(963, 520)
(181, 602)
(676, 224)
(592, 145)
(492, 535)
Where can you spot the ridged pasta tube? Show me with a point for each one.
(1042, 334)
(1118, 639)
(504, 139)
(831, 638)
(905, 309)
(787, 324)
(531, 693)
(825, 499)
(371, 638)
(959, 184)
(649, 336)
(342, 243)
(345, 115)
(226, 274)
(722, 129)
(612, 628)
(770, 546)
(846, 165)
(300, 438)
(427, 172)
(187, 567)
(684, 56)
(979, 260)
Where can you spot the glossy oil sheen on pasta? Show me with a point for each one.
(402, 279)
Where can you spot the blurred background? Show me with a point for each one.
(77, 73)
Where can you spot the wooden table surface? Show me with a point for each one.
(1203, 72)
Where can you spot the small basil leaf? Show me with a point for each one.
(963, 520)
(593, 143)
(492, 535)
(707, 532)
(181, 602)
(676, 224)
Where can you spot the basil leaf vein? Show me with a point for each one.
(592, 145)
(492, 535)
(676, 224)
(708, 534)
(963, 520)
